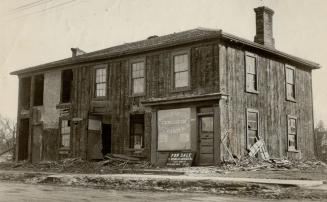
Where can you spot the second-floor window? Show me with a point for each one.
(100, 82)
(38, 90)
(181, 71)
(251, 73)
(290, 82)
(66, 85)
(138, 78)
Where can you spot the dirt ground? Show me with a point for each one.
(249, 168)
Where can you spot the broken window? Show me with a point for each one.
(290, 82)
(38, 90)
(137, 131)
(138, 78)
(292, 133)
(66, 85)
(252, 128)
(181, 70)
(251, 73)
(65, 133)
(25, 92)
(100, 82)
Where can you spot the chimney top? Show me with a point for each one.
(77, 52)
(264, 26)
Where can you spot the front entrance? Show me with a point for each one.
(23, 139)
(106, 139)
(205, 140)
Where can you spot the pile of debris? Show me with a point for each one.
(119, 161)
(255, 164)
(111, 163)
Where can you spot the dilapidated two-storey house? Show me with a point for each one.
(201, 90)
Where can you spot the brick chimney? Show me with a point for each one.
(77, 52)
(264, 26)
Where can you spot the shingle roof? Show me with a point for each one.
(193, 35)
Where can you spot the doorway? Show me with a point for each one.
(206, 140)
(106, 139)
(23, 139)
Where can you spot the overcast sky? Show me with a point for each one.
(33, 32)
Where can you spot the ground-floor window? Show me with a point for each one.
(252, 127)
(65, 133)
(292, 133)
(174, 129)
(137, 131)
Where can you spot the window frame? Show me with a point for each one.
(293, 99)
(295, 149)
(256, 90)
(69, 123)
(131, 80)
(136, 120)
(97, 67)
(249, 110)
(173, 55)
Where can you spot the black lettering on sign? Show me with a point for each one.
(180, 159)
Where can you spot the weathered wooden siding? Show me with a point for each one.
(270, 102)
(119, 104)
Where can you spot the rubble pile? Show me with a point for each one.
(254, 164)
(120, 161)
(112, 163)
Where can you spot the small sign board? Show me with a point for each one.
(180, 159)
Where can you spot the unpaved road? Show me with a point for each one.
(46, 193)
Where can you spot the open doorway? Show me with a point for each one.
(106, 139)
(23, 139)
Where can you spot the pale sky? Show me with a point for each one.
(33, 32)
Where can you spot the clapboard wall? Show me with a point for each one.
(270, 102)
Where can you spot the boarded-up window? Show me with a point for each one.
(174, 129)
(100, 82)
(252, 128)
(65, 133)
(137, 131)
(38, 90)
(66, 85)
(290, 82)
(138, 78)
(292, 133)
(251, 73)
(181, 71)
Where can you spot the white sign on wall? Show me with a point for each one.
(174, 129)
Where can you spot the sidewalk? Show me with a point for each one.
(250, 187)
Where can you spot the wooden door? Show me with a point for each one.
(206, 140)
(36, 143)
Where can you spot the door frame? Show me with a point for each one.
(198, 126)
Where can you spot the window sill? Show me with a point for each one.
(252, 91)
(137, 95)
(291, 100)
(180, 89)
(294, 150)
(99, 98)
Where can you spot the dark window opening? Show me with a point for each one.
(137, 131)
(23, 139)
(66, 85)
(106, 139)
(25, 92)
(38, 90)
